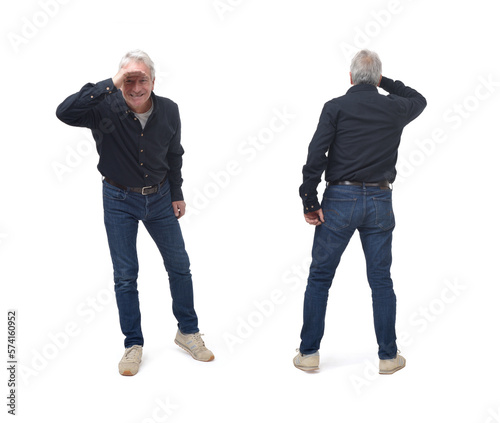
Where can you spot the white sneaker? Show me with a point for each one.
(306, 362)
(388, 367)
(129, 364)
(194, 345)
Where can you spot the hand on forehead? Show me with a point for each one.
(136, 69)
(135, 73)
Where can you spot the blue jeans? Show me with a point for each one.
(347, 208)
(122, 212)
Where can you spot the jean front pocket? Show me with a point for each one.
(338, 212)
(164, 190)
(114, 193)
(384, 216)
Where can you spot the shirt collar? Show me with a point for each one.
(361, 87)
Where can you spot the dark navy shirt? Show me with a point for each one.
(358, 136)
(129, 154)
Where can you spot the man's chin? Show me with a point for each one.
(136, 103)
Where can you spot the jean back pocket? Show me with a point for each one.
(384, 215)
(338, 212)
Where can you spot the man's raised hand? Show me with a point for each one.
(124, 74)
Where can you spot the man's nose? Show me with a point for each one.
(136, 86)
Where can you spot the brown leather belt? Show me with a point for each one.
(143, 190)
(381, 185)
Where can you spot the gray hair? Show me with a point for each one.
(366, 68)
(138, 56)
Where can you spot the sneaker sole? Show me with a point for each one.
(192, 355)
(390, 372)
(127, 373)
(306, 369)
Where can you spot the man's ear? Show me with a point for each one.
(153, 87)
(350, 77)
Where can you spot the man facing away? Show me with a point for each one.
(138, 137)
(361, 132)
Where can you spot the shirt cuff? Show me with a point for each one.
(309, 194)
(106, 87)
(95, 93)
(310, 203)
(176, 194)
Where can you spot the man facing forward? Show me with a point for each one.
(138, 136)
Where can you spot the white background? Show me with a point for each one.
(230, 70)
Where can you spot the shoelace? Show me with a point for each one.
(196, 337)
(132, 353)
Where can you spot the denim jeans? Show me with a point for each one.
(122, 212)
(347, 208)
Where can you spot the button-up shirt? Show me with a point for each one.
(129, 154)
(358, 136)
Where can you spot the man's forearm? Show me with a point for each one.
(398, 88)
(175, 181)
(415, 102)
(77, 109)
(316, 158)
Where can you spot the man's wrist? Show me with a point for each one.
(386, 83)
(106, 86)
(176, 195)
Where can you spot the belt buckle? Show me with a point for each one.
(143, 188)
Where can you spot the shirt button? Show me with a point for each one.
(306, 195)
(91, 96)
(147, 176)
(107, 88)
(135, 118)
(142, 151)
(142, 135)
(142, 164)
(312, 207)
